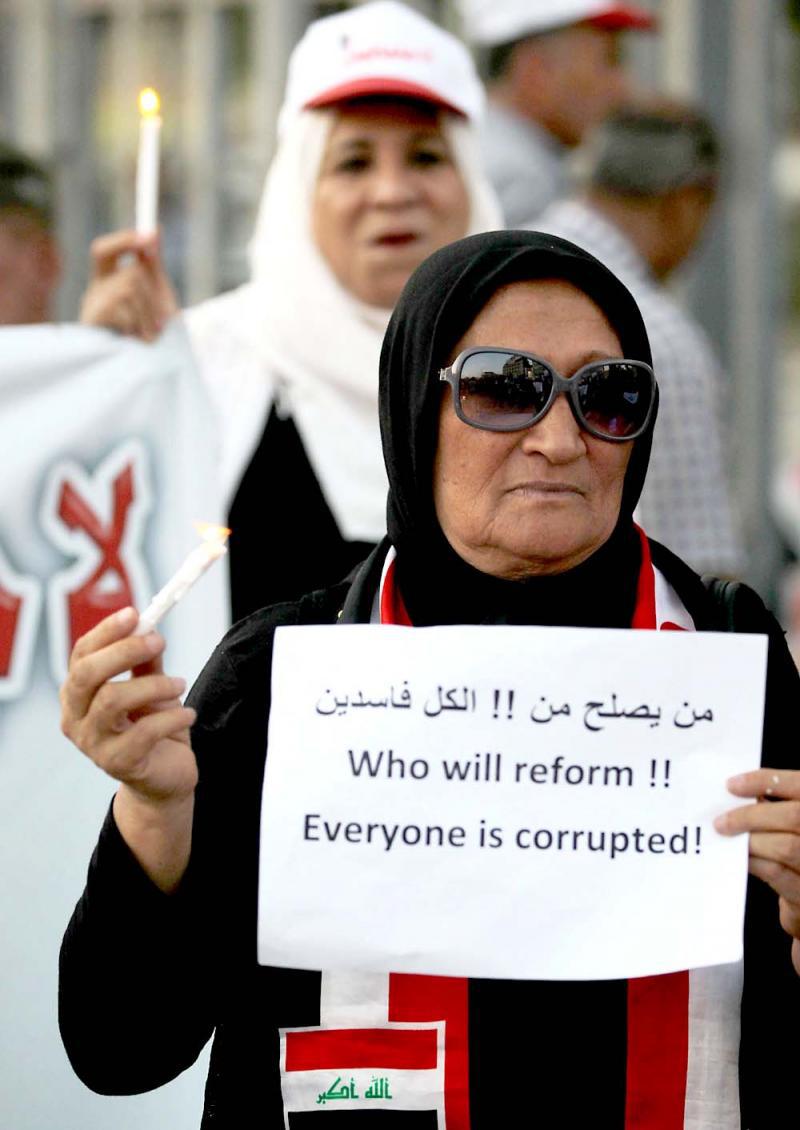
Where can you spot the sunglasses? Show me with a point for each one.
(503, 390)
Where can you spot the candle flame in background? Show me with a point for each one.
(149, 102)
(209, 532)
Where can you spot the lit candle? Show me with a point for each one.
(148, 162)
(206, 553)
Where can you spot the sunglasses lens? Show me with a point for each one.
(615, 398)
(503, 389)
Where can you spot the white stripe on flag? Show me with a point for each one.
(712, 1072)
(354, 1000)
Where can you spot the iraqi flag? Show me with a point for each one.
(385, 1042)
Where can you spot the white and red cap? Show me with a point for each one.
(491, 22)
(380, 48)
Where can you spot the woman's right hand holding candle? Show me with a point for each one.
(137, 731)
(129, 290)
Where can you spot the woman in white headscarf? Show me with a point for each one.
(376, 167)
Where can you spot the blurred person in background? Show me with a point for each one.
(554, 70)
(30, 261)
(652, 180)
(377, 166)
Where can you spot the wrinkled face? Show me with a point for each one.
(587, 79)
(542, 500)
(388, 195)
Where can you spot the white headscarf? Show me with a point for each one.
(295, 336)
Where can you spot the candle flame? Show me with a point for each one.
(209, 532)
(149, 102)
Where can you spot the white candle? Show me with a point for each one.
(210, 549)
(147, 166)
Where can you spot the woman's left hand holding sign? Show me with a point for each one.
(773, 823)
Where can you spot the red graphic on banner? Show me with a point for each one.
(97, 597)
(97, 520)
(20, 601)
(10, 612)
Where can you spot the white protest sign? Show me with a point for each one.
(518, 802)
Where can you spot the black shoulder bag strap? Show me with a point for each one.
(723, 597)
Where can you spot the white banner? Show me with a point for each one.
(507, 802)
(110, 451)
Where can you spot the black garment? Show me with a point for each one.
(145, 977)
(285, 541)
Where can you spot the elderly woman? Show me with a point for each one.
(517, 410)
(376, 167)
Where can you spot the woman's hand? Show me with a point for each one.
(137, 731)
(129, 290)
(774, 826)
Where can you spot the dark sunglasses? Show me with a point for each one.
(503, 390)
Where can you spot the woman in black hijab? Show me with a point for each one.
(438, 305)
(509, 503)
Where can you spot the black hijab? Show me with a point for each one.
(437, 306)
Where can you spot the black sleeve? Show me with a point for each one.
(145, 977)
(131, 1012)
(141, 971)
(771, 996)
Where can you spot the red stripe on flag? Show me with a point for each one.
(658, 1052)
(393, 609)
(10, 610)
(644, 614)
(409, 1050)
(658, 1007)
(413, 997)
